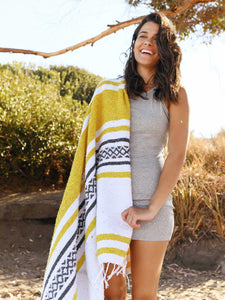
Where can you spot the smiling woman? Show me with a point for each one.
(146, 52)
(158, 104)
(118, 196)
(161, 62)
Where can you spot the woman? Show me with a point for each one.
(113, 170)
(159, 106)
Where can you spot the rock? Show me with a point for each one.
(36, 205)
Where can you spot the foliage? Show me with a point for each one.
(39, 128)
(72, 81)
(208, 18)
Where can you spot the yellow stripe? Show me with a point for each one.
(112, 129)
(112, 251)
(113, 175)
(128, 264)
(62, 232)
(80, 262)
(114, 237)
(111, 82)
(75, 295)
(90, 154)
(70, 194)
(90, 228)
(108, 106)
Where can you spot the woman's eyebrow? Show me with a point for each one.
(146, 32)
(143, 32)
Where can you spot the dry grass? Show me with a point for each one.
(199, 196)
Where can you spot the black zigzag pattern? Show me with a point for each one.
(90, 190)
(62, 275)
(81, 222)
(68, 265)
(90, 195)
(112, 152)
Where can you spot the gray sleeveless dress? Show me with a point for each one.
(149, 133)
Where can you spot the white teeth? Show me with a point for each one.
(146, 51)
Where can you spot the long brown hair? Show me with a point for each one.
(167, 77)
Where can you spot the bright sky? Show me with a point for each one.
(50, 25)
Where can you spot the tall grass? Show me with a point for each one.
(199, 196)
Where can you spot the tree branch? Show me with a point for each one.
(112, 28)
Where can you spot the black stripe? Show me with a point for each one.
(88, 211)
(114, 163)
(112, 141)
(81, 205)
(81, 242)
(89, 172)
(86, 214)
(68, 288)
(105, 164)
(58, 258)
(90, 208)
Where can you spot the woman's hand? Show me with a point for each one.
(134, 214)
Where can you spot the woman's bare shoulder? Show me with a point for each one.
(182, 94)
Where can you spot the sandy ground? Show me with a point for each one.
(176, 283)
(23, 253)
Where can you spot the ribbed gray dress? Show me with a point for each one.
(149, 132)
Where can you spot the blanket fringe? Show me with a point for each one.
(105, 281)
(117, 270)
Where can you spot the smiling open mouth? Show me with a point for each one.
(147, 52)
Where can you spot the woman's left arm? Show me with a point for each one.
(177, 144)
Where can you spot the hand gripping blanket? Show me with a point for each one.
(89, 231)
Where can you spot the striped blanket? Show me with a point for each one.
(89, 231)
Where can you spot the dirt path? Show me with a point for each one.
(23, 253)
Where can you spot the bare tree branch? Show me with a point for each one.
(112, 28)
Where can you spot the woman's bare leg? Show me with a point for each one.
(117, 286)
(146, 264)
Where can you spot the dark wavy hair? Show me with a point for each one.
(167, 77)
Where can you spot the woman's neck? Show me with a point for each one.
(148, 77)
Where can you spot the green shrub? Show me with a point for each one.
(39, 128)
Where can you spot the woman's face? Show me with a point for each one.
(145, 48)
